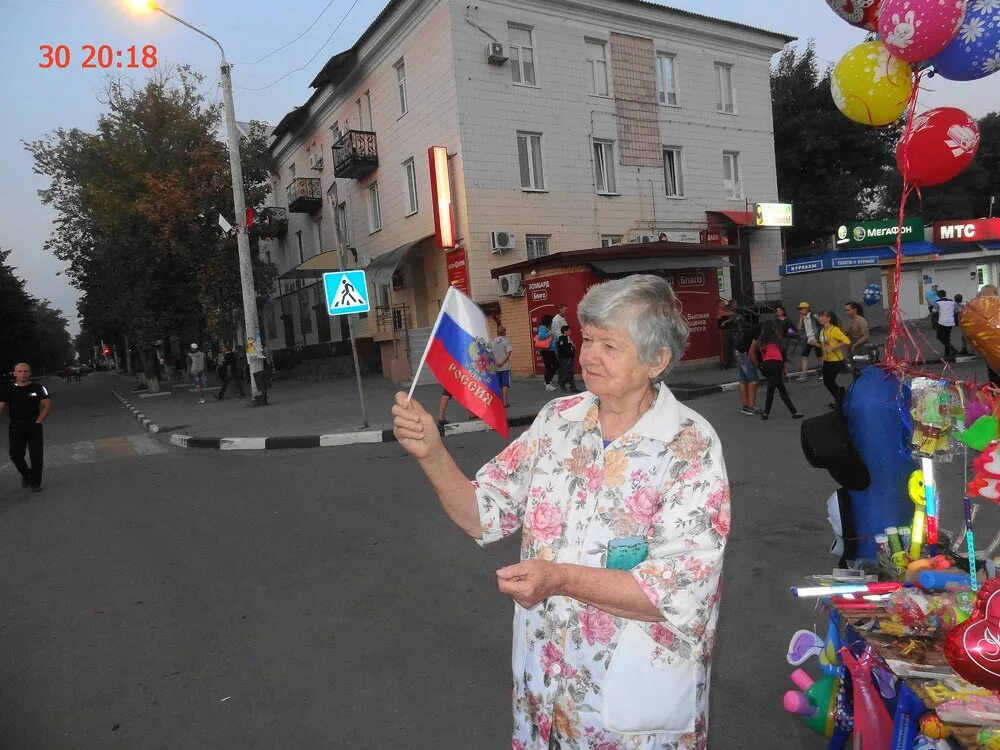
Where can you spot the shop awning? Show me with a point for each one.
(676, 263)
(739, 218)
(314, 267)
(383, 266)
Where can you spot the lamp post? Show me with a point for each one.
(255, 357)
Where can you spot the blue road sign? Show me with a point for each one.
(346, 292)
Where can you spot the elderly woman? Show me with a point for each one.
(622, 498)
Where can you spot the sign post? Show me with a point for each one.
(347, 294)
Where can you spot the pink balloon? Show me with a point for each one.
(916, 30)
(872, 723)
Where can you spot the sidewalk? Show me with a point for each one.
(323, 413)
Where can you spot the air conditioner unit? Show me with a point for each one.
(662, 237)
(315, 161)
(510, 285)
(494, 54)
(641, 238)
(502, 241)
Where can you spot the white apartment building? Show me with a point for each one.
(569, 124)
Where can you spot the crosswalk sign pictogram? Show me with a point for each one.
(346, 292)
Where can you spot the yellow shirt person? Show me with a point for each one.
(832, 339)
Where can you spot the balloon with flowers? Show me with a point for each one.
(938, 146)
(860, 13)
(915, 30)
(870, 85)
(975, 51)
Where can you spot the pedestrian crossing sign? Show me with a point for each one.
(346, 292)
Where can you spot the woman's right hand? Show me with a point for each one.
(414, 427)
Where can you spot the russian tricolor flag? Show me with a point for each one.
(461, 358)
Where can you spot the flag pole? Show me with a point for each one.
(430, 340)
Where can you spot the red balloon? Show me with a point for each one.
(940, 145)
(973, 648)
(860, 13)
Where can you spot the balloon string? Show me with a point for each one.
(897, 327)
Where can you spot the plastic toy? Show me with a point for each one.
(930, 407)
(986, 482)
(932, 726)
(908, 710)
(872, 723)
(973, 648)
(815, 704)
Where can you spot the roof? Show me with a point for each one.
(631, 251)
(338, 67)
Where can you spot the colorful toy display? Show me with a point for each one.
(973, 648)
(872, 723)
(986, 482)
(815, 703)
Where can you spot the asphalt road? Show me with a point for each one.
(155, 597)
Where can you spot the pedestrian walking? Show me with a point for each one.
(566, 352)
(773, 366)
(857, 327)
(931, 298)
(545, 343)
(832, 342)
(606, 578)
(747, 360)
(29, 405)
(559, 319)
(228, 372)
(196, 369)
(959, 309)
(502, 350)
(786, 328)
(945, 309)
(725, 320)
(808, 330)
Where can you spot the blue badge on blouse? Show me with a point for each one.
(625, 553)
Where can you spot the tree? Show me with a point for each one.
(830, 168)
(965, 197)
(33, 331)
(137, 205)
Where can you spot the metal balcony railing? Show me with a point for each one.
(305, 195)
(392, 318)
(355, 155)
(271, 222)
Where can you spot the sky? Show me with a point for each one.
(37, 101)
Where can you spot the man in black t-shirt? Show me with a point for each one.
(29, 405)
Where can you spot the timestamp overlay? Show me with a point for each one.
(103, 56)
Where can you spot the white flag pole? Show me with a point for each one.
(423, 358)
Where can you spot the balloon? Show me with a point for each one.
(981, 325)
(940, 145)
(860, 13)
(872, 723)
(871, 86)
(915, 30)
(975, 50)
(973, 648)
(872, 295)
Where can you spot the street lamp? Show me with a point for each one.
(255, 357)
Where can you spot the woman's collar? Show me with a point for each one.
(661, 422)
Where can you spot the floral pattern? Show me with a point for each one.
(663, 481)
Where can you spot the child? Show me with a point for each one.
(773, 367)
(566, 353)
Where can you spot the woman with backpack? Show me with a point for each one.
(773, 367)
(545, 343)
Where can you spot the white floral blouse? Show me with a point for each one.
(655, 502)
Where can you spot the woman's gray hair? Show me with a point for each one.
(646, 308)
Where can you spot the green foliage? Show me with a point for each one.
(138, 203)
(829, 167)
(33, 331)
(965, 197)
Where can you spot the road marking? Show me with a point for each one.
(94, 451)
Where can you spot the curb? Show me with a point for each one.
(142, 418)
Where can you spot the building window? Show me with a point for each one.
(538, 245)
(410, 178)
(666, 83)
(374, 209)
(604, 167)
(382, 295)
(305, 312)
(529, 158)
(522, 55)
(364, 105)
(401, 86)
(291, 171)
(298, 239)
(342, 226)
(724, 88)
(673, 178)
(731, 174)
(335, 131)
(597, 61)
(610, 240)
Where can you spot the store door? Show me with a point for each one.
(911, 296)
(289, 325)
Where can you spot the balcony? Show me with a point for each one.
(271, 222)
(355, 155)
(305, 196)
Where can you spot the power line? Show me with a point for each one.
(307, 62)
(283, 46)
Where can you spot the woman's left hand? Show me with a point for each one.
(530, 581)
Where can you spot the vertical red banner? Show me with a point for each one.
(458, 269)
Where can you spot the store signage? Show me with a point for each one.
(444, 217)
(868, 233)
(773, 214)
(970, 230)
(871, 260)
(804, 266)
(458, 269)
(714, 237)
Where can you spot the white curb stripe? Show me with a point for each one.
(349, 438)
(181, 441)
(242, 444)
